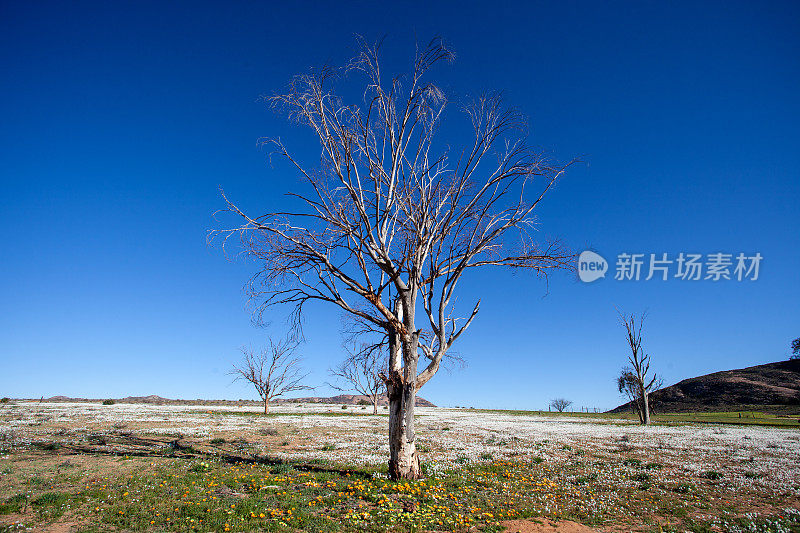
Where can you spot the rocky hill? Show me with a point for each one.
(771, 387)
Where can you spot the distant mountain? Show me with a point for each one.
(347, 399)
(776, 385)
(153, 398)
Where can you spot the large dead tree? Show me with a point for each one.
(392, 218)
(636, 381)
(361, 371)
(273, 371)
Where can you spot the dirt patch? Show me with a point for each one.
(65, 526)
(545, 526)
(14, 518)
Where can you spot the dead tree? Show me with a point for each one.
(393, 217)
(560, 404)
(273, 371)
(636, 380)
(361, 372)
(627, 385)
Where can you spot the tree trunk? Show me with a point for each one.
(375, 406)
(401, 389)
(645, 409)
(403, 458)
(637, 403)
(266, 405)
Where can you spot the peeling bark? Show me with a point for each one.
(403, 458)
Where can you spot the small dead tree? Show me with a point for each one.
(392, 218)
(636, 380)
(361, 372)
(273, 371)
(795, 349)
(627, 385)
(560, 404)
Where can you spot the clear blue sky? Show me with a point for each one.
(120, 120)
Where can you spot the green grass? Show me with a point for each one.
(14, 504)
(207, 494)
(732, 417)
(756, 418)
(224, 497)
(48, 506)
(51, 505)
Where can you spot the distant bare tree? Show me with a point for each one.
(393, 217)
(273, 371)
(560, 404)
(636, 380)
(795, 349)
(361, 372)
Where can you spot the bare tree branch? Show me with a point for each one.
(273, 371)
(361, 372)
(560, 404)
(636, 381)
(392, 217)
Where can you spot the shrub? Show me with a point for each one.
(109, 402)
(282, 468)
(328, 447)
(15, 504)
(5, 399)
(50, 499)
(51, 505)
(268, 431)
(344, 407)
(199, 467)
(683, 488)
(217, 441)
(712, 475)
(362, 401)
